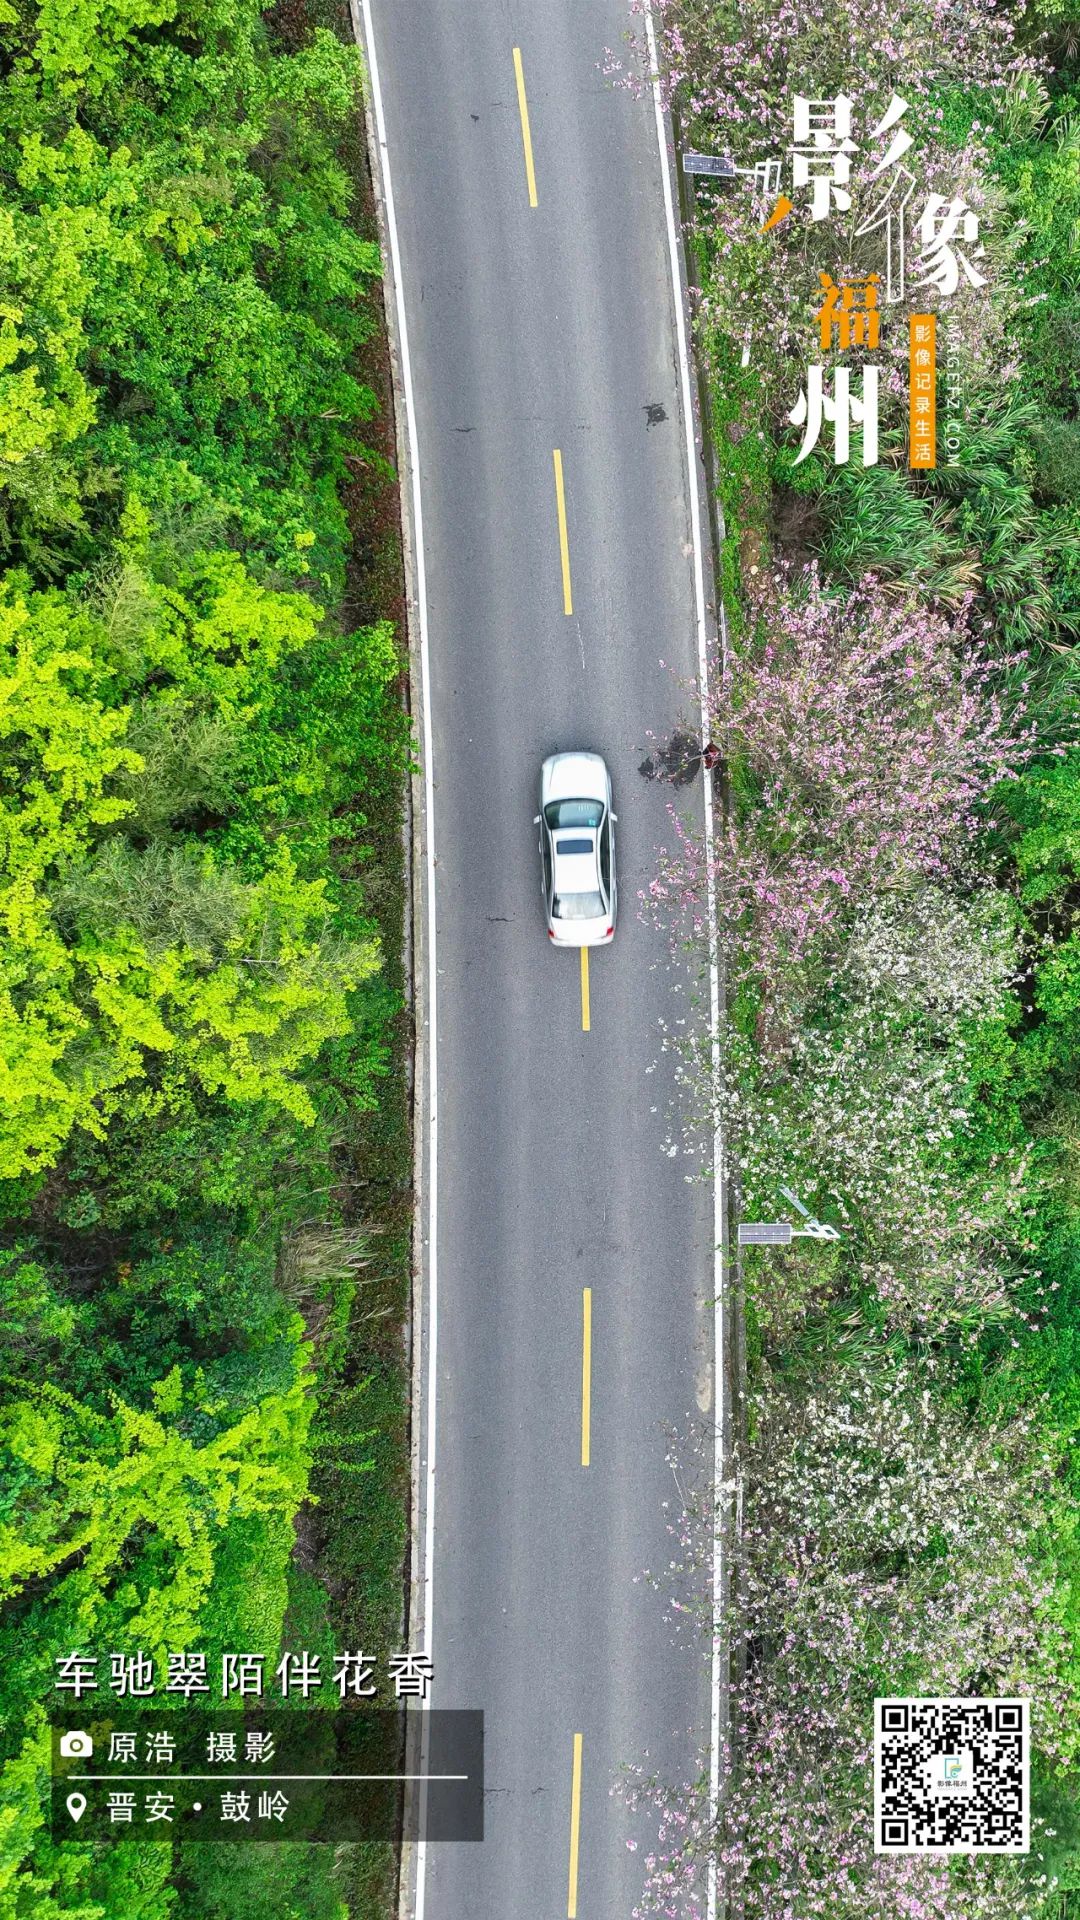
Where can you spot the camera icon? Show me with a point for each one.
(76, 1746)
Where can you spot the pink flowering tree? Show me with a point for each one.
(864, 740)
(737, 62)
(866, 734)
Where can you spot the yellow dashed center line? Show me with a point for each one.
(584, 989)
(586, 1374)
(575, 1827)
(526, 136)
(564, 544)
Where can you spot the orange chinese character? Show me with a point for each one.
(856, 322)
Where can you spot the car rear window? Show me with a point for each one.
(577, 906)
(573, 813)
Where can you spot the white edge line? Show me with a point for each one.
(423, 1575)
(714, 964)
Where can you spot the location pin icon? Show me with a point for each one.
(76, 1805)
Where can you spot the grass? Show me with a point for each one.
(742, 458)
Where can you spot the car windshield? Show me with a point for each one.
(577, 906)
(573, 813)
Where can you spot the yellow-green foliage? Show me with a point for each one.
(195, 742)
(91, 1008)
(89, 1484)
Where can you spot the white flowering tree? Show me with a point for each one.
(867, 1110)
(890, 1544)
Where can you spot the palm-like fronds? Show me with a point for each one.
(1021, 107)
(996, 427)
(878, 523)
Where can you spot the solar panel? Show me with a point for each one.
(764, 1233)
(716, 164)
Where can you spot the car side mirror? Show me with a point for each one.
(536, 819)
(615, 816)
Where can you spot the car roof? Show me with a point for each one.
(575, 776)
(575, 872)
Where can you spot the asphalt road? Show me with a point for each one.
(533, 329)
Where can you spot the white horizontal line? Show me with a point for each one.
(223, 1779)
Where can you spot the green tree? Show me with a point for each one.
(80, 1486)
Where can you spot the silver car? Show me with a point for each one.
(577, 850)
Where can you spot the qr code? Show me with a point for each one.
(951, 1776)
